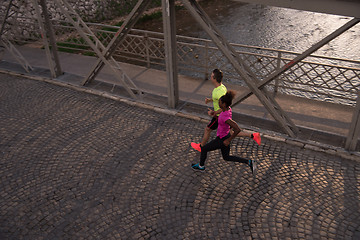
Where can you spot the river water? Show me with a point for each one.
(272, 27)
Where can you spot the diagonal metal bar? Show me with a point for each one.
(354, 131)
(120, 35)
(94, 43)
(49, 30)
(51, 56)
(9, 46)
(16, 54)
(5, 17)
(168, 10)
(302, 56)
(269, 103)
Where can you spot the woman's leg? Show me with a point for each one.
(211, 146)
(225, 151)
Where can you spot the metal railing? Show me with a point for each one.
(319, 78)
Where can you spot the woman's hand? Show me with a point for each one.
(211, 112)
(207, 100)
(226, 142)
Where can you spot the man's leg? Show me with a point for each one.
(244, 134)
(206, 136)
(208, 129)
(256, 136)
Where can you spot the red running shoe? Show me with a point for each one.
(196, 146)
(257, 138)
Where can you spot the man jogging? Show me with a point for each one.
(219, 91)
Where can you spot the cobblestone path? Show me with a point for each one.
(78, 166)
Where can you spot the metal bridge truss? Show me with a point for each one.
(354, 130)
(10, 12)
(243, 70)
(46, 30)
(330, 79)
(257, 85)
(104, 53)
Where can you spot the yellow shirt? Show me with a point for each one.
(217, 93)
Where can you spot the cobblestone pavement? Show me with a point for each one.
(78, 166)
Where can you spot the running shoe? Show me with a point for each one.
(252, 165)
(257, 138)
(196, 146)
(197, 167)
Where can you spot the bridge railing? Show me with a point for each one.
(317, 77)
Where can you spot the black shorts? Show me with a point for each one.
(213, 124)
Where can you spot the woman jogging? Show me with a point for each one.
(219, 91)
(223, 139)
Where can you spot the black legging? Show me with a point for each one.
(218, 143)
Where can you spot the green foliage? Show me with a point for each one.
(149, 17)
(91, 54)
(79, 45)
(71, 46)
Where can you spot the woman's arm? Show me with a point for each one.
(214, 113)
(236, 128)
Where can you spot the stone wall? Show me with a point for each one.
(89, 10)
(23, 24)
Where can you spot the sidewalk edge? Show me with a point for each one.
(313, 146)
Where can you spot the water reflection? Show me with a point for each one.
(281, 28)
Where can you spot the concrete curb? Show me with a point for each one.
(313, 146)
